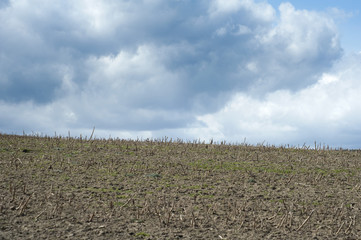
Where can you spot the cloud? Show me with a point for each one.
(300, 39)
(4, 3)
(326, 111)
(161, 67)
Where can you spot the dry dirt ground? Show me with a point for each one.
(66, 188)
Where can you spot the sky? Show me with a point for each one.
(272, 72)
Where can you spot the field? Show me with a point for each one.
(73, 188)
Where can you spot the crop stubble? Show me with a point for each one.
(57, 187)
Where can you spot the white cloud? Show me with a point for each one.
(325, 111)
(134, 79)
(312, 34)
(300, 39)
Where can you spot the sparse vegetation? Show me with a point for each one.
(62, 187)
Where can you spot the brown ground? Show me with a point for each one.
(116, 189)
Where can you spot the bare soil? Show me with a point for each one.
(66, 188)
